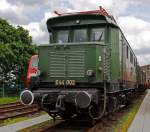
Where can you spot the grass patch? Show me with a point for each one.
(5, 100)
(125, 121)
(10, 121)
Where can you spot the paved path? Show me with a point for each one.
(141, 122)
(27, 123)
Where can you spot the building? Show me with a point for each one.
(146, 68)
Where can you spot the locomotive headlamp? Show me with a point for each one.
(90, 72)
(83, 99)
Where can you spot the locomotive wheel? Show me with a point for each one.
(94, 111)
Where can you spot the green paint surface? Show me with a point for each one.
(115, 64)
(75, 56)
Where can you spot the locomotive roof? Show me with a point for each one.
(85, 19)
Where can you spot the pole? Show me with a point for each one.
(3, 90)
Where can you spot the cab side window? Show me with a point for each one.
(97, 34)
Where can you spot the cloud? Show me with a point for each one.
(12, 12)
(61, 6)
(38, 30)
(136, 30)
(28, 2)
(4, 5)
(143, 51)
(39, 36)
(26, 11)
(14, 17)
(113, 6)
(139, 1)
(137, 33)
(143, 59)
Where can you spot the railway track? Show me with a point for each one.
(16, 109)
(2, 106)
(68, 126)
(103, 125)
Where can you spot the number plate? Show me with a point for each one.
(65, 82)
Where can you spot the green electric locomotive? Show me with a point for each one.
(88, 68)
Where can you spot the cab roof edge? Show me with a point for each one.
(101, 11)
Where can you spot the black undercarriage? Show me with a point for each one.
(90, 101)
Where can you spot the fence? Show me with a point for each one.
(10, 90)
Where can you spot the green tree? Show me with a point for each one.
(15, 50)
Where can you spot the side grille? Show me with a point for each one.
(57, 64)
(67, 64)
(76, 64)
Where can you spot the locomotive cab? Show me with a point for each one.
(27, 97)
(73, 65)
(32, 69)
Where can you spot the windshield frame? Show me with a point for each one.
(71, 32)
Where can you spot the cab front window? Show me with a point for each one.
(80, 35)
(62, 37)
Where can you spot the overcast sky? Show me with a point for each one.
(132, 16)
